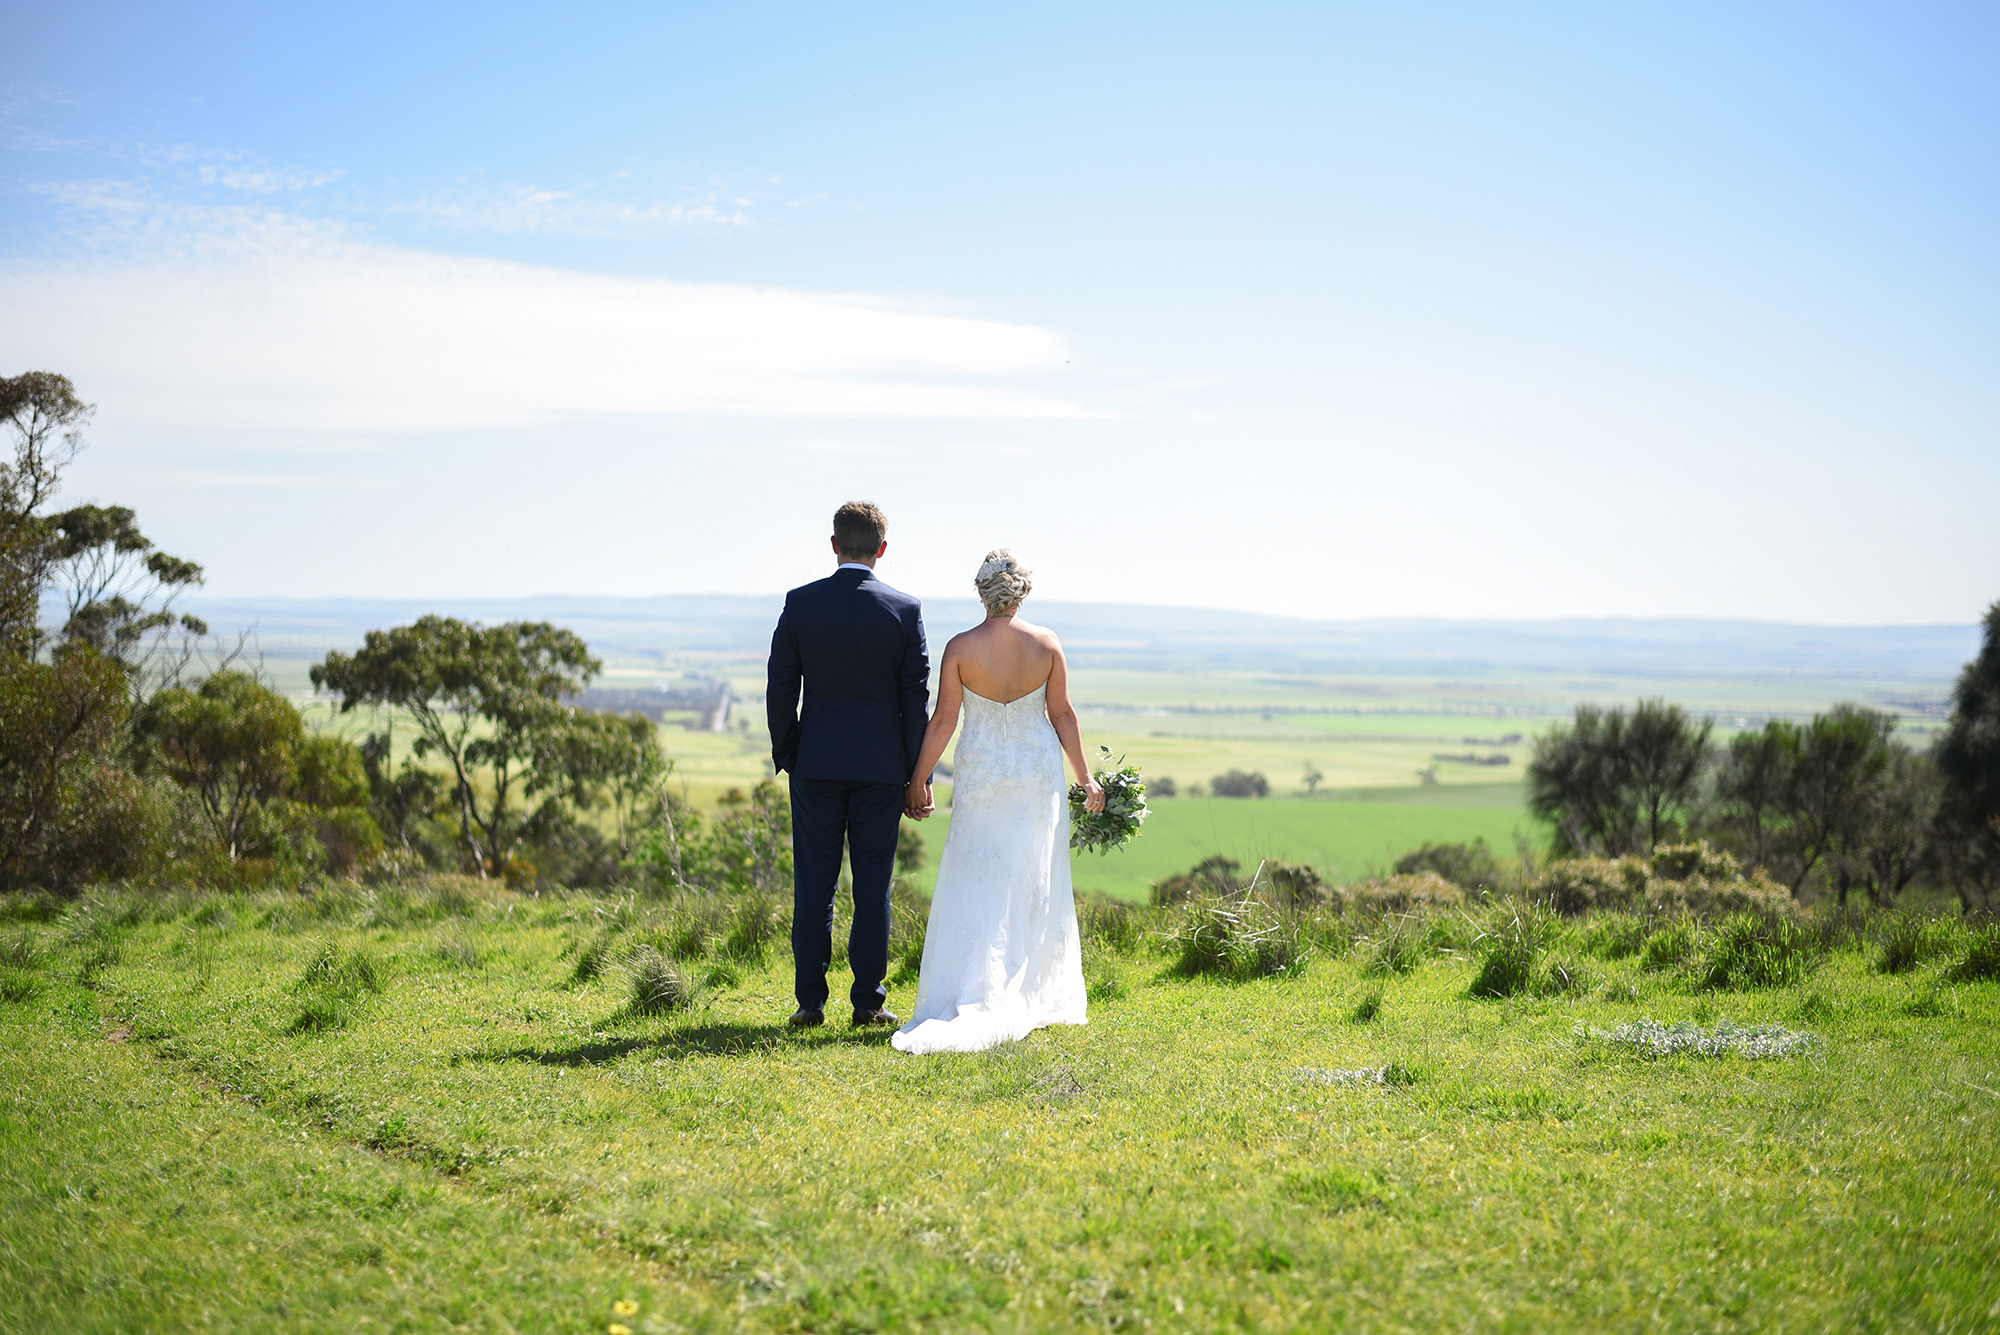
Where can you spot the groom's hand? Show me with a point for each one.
(917, 802)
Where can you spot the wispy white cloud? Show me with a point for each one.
(583, 212)
(235, 317)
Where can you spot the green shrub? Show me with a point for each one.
(1293, 887)
(433, 899)
(1238, 784)
(1470, 866)
(213, 913)
(693, 926)
(1982, 956)
(1702, 898)
(1681, 862)
(30, 906)
(20, 952)
(1584, 885)
(1213, 875)
(349, 975)
(1749, 950)
(1421, 892)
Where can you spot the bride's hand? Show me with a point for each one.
(1093, 795)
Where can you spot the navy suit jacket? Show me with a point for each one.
(854, 648)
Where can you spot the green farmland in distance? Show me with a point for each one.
(1347, 834)
(1407, 726)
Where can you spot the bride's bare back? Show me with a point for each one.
(1004, 658)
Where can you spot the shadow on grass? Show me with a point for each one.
(702, 1040)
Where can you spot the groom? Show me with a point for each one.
(855, 648)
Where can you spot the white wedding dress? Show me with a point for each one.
(1001, 954)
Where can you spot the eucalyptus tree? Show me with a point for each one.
(62, 727)
(1968, 758)
(45, 419)
(1841, 760)
(1751, 780)
(486, 700)
(1895, 842)
(1616, 783)
(592, 759)
(118, 587)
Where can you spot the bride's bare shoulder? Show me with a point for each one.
(1042, 634)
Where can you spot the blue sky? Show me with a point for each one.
(1500, 310)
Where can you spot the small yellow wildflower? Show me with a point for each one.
(625, 1307)
(615, 1328)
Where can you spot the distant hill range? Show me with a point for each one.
(714, 629)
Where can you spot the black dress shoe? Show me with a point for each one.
(863, 1019)
(805, 1019)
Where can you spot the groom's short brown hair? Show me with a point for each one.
(859, 529)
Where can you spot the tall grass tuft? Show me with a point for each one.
(593, 956)
(755, 924)
(20, 952)
(1566, 976)
(1510, 950)
(1612, 936)
(18, 961)
(333, 985)
(1110, 923)
(1400, 948)
(1910, 939)
(1670, 947)
(1750, 950)
(655, 985)
(1982, 956)
(459, 951)
(1237, 937)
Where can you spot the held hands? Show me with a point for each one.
(1093, 795)
(917, 801)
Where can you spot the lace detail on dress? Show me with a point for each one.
(1001, 954)
(1005, 742)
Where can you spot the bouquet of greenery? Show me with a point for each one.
(1124, 808)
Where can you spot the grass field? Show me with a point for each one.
(399, 1110)
(1347, 834)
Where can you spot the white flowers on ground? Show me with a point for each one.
(1360, 1075)
(1650, 1038)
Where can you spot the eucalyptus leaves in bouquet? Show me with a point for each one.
(1124, 807)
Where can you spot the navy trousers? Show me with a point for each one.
(828, 814)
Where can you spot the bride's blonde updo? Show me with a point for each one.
(1002, 581)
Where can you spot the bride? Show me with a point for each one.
(1001, 956)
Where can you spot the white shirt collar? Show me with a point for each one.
(856, 565)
